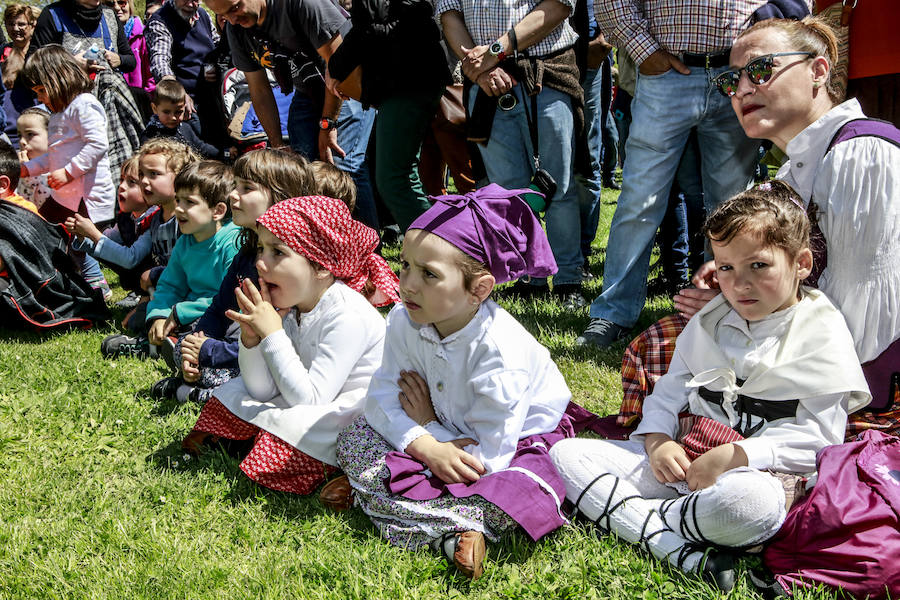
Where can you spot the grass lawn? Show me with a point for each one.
(97, 500)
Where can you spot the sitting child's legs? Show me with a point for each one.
(277, 465)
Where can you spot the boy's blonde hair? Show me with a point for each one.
(177, 154)
(333, 183)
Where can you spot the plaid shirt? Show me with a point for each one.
(487, 20)
(159, 45)
(642, 27)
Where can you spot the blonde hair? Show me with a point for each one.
(810, 34)
(63, 79)
(177, 154)
(334, 183)
(130, 165)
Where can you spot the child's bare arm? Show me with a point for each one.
(704, 471)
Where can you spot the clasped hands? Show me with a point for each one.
(483, 68)
(446, 460)
(670, 463)
(258, 317)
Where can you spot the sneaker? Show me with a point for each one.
(570, 296)
(167, 352)
(101, 284)
(601, 333)
(165, 388)
(129, 301)
(114, 346)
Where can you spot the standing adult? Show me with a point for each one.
(295, 39)
(548, 77)
(678, 47)
(140, 77)
(19, 20)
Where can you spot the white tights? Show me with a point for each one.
(743, 508)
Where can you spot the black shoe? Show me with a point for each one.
(114, 346)
(129, 301)
(601, 333)
(167, 352)
(165, 388)
(570, 296)
(586, 271)
(610, 184)
(717, 568)
(526, 291)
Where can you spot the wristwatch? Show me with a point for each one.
(327, 124)
(496, 49)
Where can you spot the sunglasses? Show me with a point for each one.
(759, 71)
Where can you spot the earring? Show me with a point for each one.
(816, 85)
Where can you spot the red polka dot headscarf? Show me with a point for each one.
(322, 230)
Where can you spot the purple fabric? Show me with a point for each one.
(140, 77)
(517, 494)
(494, 226)
(846, 532)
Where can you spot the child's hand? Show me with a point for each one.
(258, 318)
(415, 398)
(23, 156)
(161, 328)
(447, 460)
(146, 284)
(83, 227)
(668, 459)
(191, 344)
(190, 372)
(58, 178)
(704, 471)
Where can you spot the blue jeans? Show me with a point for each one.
(664, 109)
(589, 187)
(508, 160)
(354, 129)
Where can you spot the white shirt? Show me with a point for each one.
(802, 353)
(856, 187)
(77, 141)
(306, 382)
(490, 381)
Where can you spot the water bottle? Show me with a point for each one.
(93, 54)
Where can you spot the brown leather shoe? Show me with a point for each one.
(469, 554)
(336, 494)
(197, 441)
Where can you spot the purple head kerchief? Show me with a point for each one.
(494, 226)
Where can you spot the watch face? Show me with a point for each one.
(495, 48)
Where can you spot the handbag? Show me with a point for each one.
(837, 16)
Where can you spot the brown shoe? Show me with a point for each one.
(336, 494)
(469, 554)
(197, 441)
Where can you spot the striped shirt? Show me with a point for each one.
(642, 27)
(159, 45)
(487, 20)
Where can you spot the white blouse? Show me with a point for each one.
(856, 187)
(490, 381)
(802, 353)
(306, 382)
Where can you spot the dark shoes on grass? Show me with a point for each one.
(601, 334)
(568, 294)
(114, 346)
(337, 494)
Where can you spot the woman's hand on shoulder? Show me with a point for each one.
(447, 460)
(704, 471)
(415, 398)
(667, 458)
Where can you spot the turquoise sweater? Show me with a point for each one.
(193, 275)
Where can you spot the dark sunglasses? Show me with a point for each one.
(759, 71)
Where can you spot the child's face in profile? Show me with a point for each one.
(431, 283)
(195, 216)
(32, 135)
(170, 114)
(157, 179)
(758, 280)
(292, 280)
(249, 201)
(131, 200)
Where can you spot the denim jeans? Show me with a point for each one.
(354, 129)
(664, 110)
(589, 187)
(508, 160)
(680, 239)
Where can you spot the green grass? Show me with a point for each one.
(97, 500)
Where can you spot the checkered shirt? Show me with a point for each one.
(487, 20)
(642, 27)
(159, 45)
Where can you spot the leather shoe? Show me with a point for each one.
(718, 569)
(336, 494)
(469, 554)
(197, 441)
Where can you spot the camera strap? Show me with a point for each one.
(531, 118)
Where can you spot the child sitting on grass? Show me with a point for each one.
(310, 341)
(453, 444)
(203, 253)
(208, 356)
(762, 378)
(158, 162)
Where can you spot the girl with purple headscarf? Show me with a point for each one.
(459, 417)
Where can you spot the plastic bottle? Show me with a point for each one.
(93, 54)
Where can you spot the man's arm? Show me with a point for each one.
(630, 29)
(159, 49)
(331, 108)
(264, 104)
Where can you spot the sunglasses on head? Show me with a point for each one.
(759, 71)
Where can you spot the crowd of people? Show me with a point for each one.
(220, 165)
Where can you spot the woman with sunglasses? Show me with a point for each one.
(783, 92)
(140, 77)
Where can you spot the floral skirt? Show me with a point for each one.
(271, 462)
(361, 452)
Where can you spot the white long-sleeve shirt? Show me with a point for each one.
(490, 381)
(307, 382)
(78, 142)
(802, 353)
